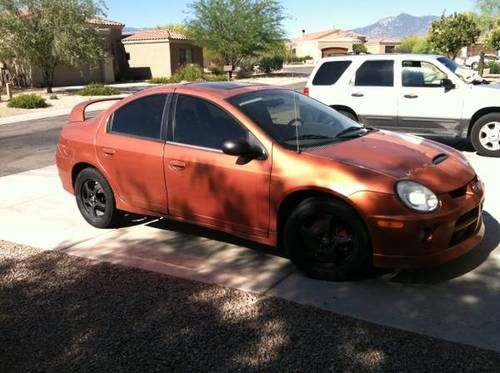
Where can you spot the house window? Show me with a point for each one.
(185, 55)
(389, 48)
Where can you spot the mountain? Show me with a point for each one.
(397, 27)
(132, 29)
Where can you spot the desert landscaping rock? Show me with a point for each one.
(62, 313)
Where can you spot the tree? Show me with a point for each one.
(494, 39)
(359, 48)
(181, 28)
(449, 34)
(236, 29)
(48, 33)
(489, 11)
(413, 44)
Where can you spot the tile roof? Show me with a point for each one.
(334, 33)
(384, 41)
(155, 35)
(104, 22)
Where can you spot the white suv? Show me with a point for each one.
(419, 94)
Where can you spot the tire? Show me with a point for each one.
(348, 114)
(95, 199)
(334, 249)
(485, 135)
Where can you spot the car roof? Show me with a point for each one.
(221, 90)
(380, 56)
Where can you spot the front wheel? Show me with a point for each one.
(95, 199)
(485, 135)
(327, 240)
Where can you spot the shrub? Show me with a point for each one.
(189, 73)
(159, 80)
(215, 78)
(270, 63)
(98, 89)
(216, 70)
(494, 67)
(27, 101)
(359, 49)
(247, 67)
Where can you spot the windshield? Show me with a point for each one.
(452, 65)
(294, 120)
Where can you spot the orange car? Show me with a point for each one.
(274, 166)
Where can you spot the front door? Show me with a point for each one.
(206, 186)
(425, 107)
(130, 150)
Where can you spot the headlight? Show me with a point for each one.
(416, 196)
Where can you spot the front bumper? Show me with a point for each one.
(404, 239)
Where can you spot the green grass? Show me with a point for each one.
(27, 101)
(98, 89)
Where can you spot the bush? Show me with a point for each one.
(189, 73)
(215, 78)
(295, 59)
(216, 70)
(359, 49)
(27, 101)
(269, 64)
(494, 67)
(159, 80)
(98, 89)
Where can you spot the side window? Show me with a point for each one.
(200, 123)
(421, 74)
(141, 117)
(378, 73)
(330, 72)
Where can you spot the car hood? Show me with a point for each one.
(402, 157)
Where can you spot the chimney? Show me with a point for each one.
(303, 33)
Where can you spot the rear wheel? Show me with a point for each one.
(485, 135)
(327, 240)
(95, 199)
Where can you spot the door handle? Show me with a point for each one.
(176, 165)
(357, 94)
(411, 95)
(108, 152)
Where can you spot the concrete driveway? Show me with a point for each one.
(459, 301)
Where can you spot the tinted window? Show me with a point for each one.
(294, 120)
(376, 73)
(198, 122)
(330, 72)
(421, 74)
(142, 117)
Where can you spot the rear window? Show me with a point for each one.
(378, 73)
(330, 72)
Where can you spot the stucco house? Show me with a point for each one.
(112, 68)
(382, 45)
(159, 53)
(325, 43)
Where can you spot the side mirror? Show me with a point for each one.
(447, 84)
(242, 148)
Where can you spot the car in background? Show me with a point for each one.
(273, 166)
(473, 61)
(427, 95)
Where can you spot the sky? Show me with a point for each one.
(302, 14)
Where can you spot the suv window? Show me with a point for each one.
(200, 123)
(421, 74)
(379, 73)
(330, 72)
(141, 117)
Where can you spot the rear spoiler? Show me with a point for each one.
(78, 112)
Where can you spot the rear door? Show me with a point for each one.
(372, 93)
(130, 150)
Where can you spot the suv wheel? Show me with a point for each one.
(485, 135)
(348, 114)
(327, 240)
(95, 199)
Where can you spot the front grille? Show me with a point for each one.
(465, 226)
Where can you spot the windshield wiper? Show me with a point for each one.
(310, 137)
(349, 131)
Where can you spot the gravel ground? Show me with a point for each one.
(60, 313)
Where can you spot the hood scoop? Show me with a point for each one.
(440, 158)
